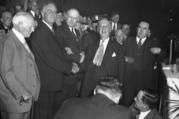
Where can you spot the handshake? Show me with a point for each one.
(75, 68)
(70, 52)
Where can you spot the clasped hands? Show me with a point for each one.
(70, 52)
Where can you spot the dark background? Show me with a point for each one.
(163, 15)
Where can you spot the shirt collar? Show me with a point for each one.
(32, 12)
(50, 27)
(142, 115)
(19, 36)
(142, 40)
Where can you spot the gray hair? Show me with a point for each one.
(22, 18)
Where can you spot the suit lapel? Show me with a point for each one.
(44, 26)
(151, 114)
(69, 32)
(19, 44)
(108, 53)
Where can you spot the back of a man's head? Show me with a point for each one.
(109, 87)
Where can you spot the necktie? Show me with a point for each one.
(99, 55)
(139, 43)
(75, 33)
(73, 30)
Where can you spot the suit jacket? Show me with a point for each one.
(6, 30)
(66, 38)
(112, 65)
(49, 57)
(19, 75)
(119, 26)
(36, 17)
(139, 74)
(96, 107)
(153, 114)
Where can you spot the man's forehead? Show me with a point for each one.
(140, 94)
(104, 22)
(144, 24)
(51, 7)
(73, 13)
(119, 32)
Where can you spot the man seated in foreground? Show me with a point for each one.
(103, 105)
(144, 106)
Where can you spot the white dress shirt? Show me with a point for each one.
(142, 40)
(142, 115)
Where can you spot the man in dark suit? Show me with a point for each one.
(140, 56)
(103, 105)
(69, 39)
(115, 25)
(19, 76)
(102, 59)
(51, 63)
(34, 11)
(115, 22)
(145, 105)
(6, 21)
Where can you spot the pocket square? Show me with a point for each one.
(113, 54)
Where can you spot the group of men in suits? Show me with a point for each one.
(104, 104)
(69, 65)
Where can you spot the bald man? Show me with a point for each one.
(102, 59)
(103, 105)
(19, 81)
(68, 37)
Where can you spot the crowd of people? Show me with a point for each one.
(61, 65)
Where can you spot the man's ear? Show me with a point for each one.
(146, 106)
(1, 20)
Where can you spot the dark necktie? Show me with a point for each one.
(75, 33)
(139, 43)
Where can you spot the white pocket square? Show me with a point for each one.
(113, 54)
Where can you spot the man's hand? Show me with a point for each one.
(82, 54)
(75, 68)
(68, 51)
(129, 59)
(155, 50)
(24, 99)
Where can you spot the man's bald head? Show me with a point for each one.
(72, 17)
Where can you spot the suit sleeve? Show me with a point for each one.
(75, 57)
(46, 48)
(10, 78)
